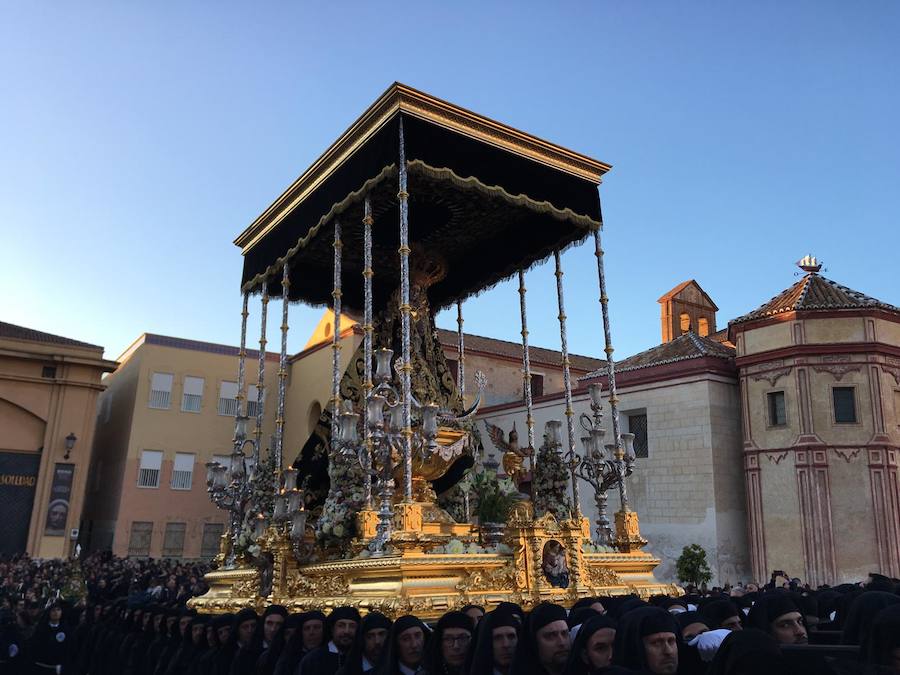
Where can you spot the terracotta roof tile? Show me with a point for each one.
(684, 347)
(508, 349)
(9, 330)
(815, 293)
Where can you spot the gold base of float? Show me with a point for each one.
(413, 579)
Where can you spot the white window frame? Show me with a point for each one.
(251, 400)
(146, 470)
(227, 406)
(188, 397)
(182, 479)
(161, 399)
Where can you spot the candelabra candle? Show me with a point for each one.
(237, 465)
(211, 473)
(397, 418)
(259, 526)
(375, 412)
(280, 510)
(429, 420)
(220, 479)
(383, 357)
(348, 434)
(290, 479)
(552, 432)
(595, 391)
(295, 500)
(298, 525)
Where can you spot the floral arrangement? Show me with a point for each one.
(337, 524)
(551, 481)
(591, 547)
(494, 496)
(262, 500)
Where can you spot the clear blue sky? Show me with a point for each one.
(137, 139)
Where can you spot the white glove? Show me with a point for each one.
(708, 643)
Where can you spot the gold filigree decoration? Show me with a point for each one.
(599, 577)
(498, 578)
(332, 585)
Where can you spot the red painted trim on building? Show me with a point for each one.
(817, 350)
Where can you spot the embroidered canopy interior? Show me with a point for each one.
(488, 199)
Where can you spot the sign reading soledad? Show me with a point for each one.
(18, 479)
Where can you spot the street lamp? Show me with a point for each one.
(70, 443)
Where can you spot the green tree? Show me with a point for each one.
(691, 566)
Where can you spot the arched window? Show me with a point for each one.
(685, 322)
(703, 326)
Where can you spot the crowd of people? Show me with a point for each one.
(132, 619)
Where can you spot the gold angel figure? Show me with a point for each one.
(513, 456)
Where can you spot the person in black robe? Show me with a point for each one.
(474, 612)
(647, 641)
(48, 648)
(748, 652)
(776, 613)
(405, 649)
(342, 625)
(862, 613)
(193, 646)
(176, 638)
(722, 613)
(448, 645)
(368, 645)
(153, 617)
(81, 637)
(690, 625)
(241, 634)
(135, 628)
(218, 631)
(592, 649)
(308, 635)
(275, 629)
(245, 660)
(882, 642)
(544, 645)
(160, 641)
(495, 644)
(12, 654)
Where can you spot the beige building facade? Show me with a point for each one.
(820, 394)
(680, 399)
(168, 409)
(48, 393)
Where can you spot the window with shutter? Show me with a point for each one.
(637, 425)
(777, 413)
(173, 540)
(141, 536)
(844, 399)
(150, 468)
(182, 471)
(192, 396)
(161, 390)
(212, 535)
(228, 392)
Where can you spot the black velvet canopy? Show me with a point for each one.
(486, 198)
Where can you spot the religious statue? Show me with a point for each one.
(554, 565)
(513, 456)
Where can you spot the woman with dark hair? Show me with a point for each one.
(748, 652)
(49, 646)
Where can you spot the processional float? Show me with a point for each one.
(417, 206)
